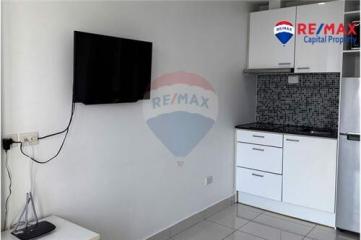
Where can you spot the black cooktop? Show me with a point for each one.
(299, 130)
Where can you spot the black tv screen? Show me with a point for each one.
(110, 69)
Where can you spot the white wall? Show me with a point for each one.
(114, 176)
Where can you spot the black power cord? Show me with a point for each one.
(66, 131)
(10, 190)
(7, 142)
(67, 127)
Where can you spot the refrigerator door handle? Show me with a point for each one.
(351, 136)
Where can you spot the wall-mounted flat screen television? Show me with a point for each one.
(110, 69)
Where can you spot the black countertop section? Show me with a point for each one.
(298, 130)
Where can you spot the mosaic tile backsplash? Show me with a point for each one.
(313, 102)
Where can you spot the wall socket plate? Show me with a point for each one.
(208, 180)
(31, 138)
(293, 79)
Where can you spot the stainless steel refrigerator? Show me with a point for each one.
(348, 186)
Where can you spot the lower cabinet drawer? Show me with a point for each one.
(268, 159)
(259, 183)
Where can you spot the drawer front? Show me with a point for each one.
(258, 157)
(258, 183)
(257, 137)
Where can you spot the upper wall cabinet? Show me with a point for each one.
(268, 48)
(320, 56)
(279, 39)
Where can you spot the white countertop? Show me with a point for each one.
(64, 230)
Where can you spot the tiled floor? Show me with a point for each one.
(241, 222)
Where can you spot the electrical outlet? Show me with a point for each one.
(208, 180)
(293, 79)
(31, 138)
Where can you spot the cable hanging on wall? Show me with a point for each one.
(10, 190)
(66, 131)
(7, 142)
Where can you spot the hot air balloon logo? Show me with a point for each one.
(182, 109)
(284, 31)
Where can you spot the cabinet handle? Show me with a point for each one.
(258, 136)
(257, 175)
(284, 63)
(292, 140)
(258, 149)
(303, 68)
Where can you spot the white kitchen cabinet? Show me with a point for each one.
(259, 163)
(309, 172)
(265, 50)
(318, 57)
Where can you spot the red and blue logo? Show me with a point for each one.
(315, 33)
(284, 31)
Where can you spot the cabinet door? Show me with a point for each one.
(309, 172)
(318, 57)
(265, 49)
